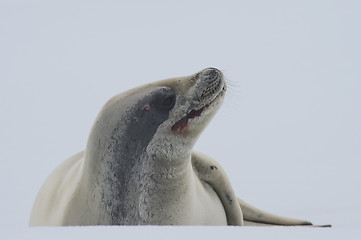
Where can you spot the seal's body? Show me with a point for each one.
(139, 167)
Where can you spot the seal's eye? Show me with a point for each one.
(163, 99)
(167, 103)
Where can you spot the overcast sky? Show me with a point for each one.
(288, 135)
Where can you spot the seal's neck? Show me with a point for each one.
(136, 192)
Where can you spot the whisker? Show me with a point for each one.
(233, 102)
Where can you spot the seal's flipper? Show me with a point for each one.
(255, 216)
(255, 224)
(209, 171)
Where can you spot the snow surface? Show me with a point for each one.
(288, 135)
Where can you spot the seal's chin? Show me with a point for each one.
(180, 125)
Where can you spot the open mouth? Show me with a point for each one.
(183, 122)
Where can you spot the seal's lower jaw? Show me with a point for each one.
(194, 114)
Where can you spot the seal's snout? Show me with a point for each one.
(208, 89)
(211, 82)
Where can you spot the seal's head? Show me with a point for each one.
(164, 118)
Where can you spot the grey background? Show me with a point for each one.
(288, 135)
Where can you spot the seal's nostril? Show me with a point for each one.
(211, 73)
